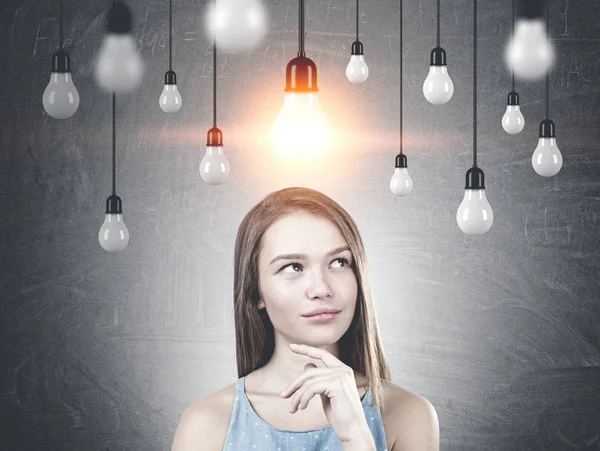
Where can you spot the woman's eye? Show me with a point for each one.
(293, 265)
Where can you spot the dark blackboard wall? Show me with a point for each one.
(104, 351)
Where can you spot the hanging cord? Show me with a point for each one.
(114, 142)
(301, 28)
(548, 70)
(512, 72)
(215, 74)
(62, 33)
(357, 20)
(401, 104)
(170, 34)
(438, 23)
(474, 83)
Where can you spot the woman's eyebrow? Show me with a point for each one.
(301, 256)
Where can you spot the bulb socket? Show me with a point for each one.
(547, 129)
(301, 75)
(357, 48)
(214, 137)
(170, 78)
(114, 205)
(530, 9)
(119, 19)
(61, 61)
(401, 161)
(513, 98)
(475, 179)
(438, 57)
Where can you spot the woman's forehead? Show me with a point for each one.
(302, 233)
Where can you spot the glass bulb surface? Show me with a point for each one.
(474, 215)
(357, 70)
(113, 235)
(214, 167)
(530, 53)
(301, 132)
(438, 87)
(119, 66)
(238, 25)
(60, 98)
(547, 159)
(513, 120)
(170, 99)
(401, 182)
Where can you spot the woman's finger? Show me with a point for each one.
(313, 372)
(325, 356)
(317, 385)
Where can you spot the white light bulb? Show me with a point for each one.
(401, 183)
(357, 70)
(119, 66)
(214, 167)
(474, 215)
(170, 99)
(301, 132)
(61, 98)
(237, 25)
(547, 159)
(438, 87)
(513, 120)
(530, 53)
(113, 235)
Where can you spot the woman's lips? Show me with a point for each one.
(322, 318)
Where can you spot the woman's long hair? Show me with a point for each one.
(360, 346)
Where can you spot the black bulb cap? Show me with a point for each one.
(438, 57)
(547, 129)
(475, 179)
(301, 75)
(357, 48)
(513, 98)
(119, 19)
(170, 78)
(61, 61)
(401, 161)
(530, 9)
(214, 137)
(114, 205)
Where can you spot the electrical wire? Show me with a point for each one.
(475, 83)
(301, 28)
(114, 144)
(401, 77)
(215, 75)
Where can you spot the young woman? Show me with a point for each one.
(298, 253)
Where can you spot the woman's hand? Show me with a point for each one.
(336, 385)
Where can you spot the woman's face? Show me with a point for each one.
(293, 286)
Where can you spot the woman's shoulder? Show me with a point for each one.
(410, 418)
(204, 423)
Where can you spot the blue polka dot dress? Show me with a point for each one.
(247, 431)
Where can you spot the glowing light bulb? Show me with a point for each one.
(170, 99)
(113, 235)
(237, 25)
(61, 99)
(513, 120)
(530, 53)
(547, 159)
(214, 167)
(357, 70)
(401, 182)
(119, 67)
(438, 87)
(475, 215)
(301, 132)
